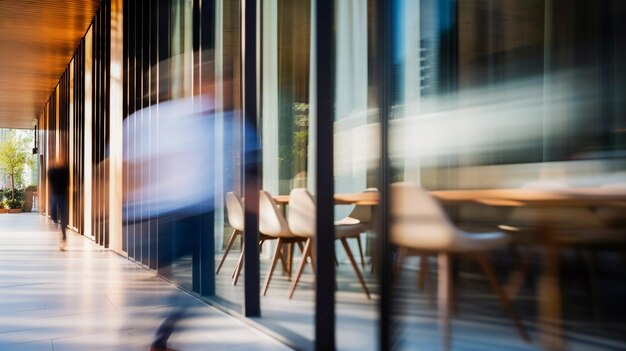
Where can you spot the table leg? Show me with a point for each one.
(444, 298)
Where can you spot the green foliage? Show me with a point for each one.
(19, 196)
(14, 204)
(15, 156)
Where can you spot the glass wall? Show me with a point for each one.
(438, 121)
(507, 95)
(356, 164)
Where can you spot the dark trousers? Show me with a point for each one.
(181, 237)
(58, 211)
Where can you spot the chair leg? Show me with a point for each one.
(426, 281)
(518, 276)
(283, 260)
(483, 261)
(305, 254)
(268, 277)
(239, 262)
(359, 276)
(231, 241)
(312, 257)
(290, 261)
(444, 292)
(423, 271)
(358, 239)
(238, 268)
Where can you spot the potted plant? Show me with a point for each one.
(3, 205)
(15, 206)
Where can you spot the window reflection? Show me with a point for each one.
(518, 95)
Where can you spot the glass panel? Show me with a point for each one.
(179, 228)
(514, 95)
(224, 89)
(286, 153)
(356, 172)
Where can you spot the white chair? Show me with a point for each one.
(302, 223)
(273, 224)
(364, 215)
(419, 223)
(234, 210)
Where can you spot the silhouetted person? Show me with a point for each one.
(58, 178)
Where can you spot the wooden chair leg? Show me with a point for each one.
(483, 261)
(425, 280)
(312, 257)
(358, 239)
(444, 297)
(239, 260)
(268, 277)
(290, 261)
(231, 241)
(359, 276)
(305, 254)
(238, 268)
(423, 272)
(516, 278)
(283, 259)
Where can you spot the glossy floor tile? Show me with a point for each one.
(88, 298)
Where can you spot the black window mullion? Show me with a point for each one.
(252, 303)
(324, 181)
(385, 42)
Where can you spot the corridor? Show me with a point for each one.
(89, 298)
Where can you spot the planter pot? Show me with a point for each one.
(3, 210)
(15, 210)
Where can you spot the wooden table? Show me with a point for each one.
(366, 199)
(548, 287)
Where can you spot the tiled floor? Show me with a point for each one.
(90, 299)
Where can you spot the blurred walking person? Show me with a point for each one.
(58, 176)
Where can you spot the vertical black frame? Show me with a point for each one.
(324, 181)
(252, 299)
(384, 68)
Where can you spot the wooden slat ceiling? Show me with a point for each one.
(37, 41)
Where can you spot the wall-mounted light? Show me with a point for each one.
(35, 149)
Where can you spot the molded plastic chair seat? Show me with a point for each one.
(460, 242)
(348, 230)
